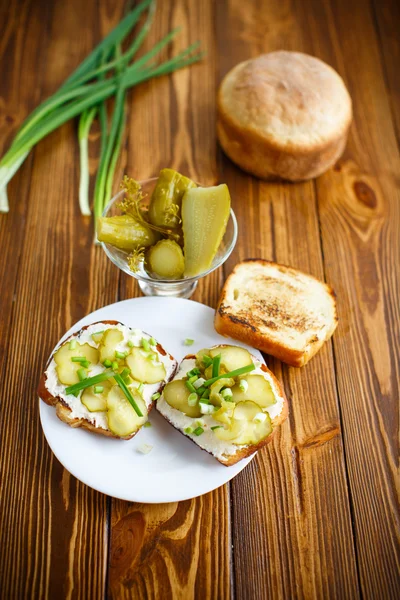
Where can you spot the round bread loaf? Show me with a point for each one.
(283, 115)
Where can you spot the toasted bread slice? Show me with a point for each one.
(70, 409)
(226, 453)
(277, 309)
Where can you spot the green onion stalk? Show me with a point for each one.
(88, 88)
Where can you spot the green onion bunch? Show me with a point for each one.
(109, 71)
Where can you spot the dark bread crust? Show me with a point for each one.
(244, 330)
(232, 459)
(63, 411)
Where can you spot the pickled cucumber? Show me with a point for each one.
(232, 357)
(166, 200)
(258, 389)
(143, 368)
(96, 402)
(110, 341)
(205, 214)
(125, 232)
(122, 417)
(165, 260)
(243, 430)
(67, 369)
(176, 394)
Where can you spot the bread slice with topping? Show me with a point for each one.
(230, 415)
(130, 368)
(279, 310)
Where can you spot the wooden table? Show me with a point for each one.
(315, 514)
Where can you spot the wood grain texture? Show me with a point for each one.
(315, 515)
(360, 218)
(281, 534)
(53, 528)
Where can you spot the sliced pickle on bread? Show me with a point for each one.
(176, 394)
(232, 357)
(122, 417)
(257, 388)
(144, 367)
(96, 401)
(109, 343)
(245, 429)
(67, 369)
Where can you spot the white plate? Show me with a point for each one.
(176, 469)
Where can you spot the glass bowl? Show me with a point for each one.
(150, 286)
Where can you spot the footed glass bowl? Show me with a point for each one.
(150, 286)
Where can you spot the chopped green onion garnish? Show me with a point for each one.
(85, 364)
(192, 399)
(152, 342)
(120, 355)
(200, 390)
(216, 364)
(125, 372)
(190, 387)
(205, 394)
(260, 417)
(199, 382)
(205, 400)
(198, 431)
(193, 379)
(127, 393)
(234, 373)
(140, 388)
(82, 374)
(188, 430)
(98, 389)
(188, 342)
(130, 344)
(145, 345)
(115, 366)
(206, 408)
(156, 396)
(193, 372)
(207, 360)
(107, 363)
(77, 387)
(72, 345)
(147, 424)
(78, 359)
(226, 393)
(243, 385)
(214, 427)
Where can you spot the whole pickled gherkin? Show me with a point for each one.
(125, 232)
(166, 200)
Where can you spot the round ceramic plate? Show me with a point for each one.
(176, 469)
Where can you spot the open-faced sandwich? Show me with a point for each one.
(106, 378)
(226, 401)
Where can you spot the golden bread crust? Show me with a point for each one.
(229, 324)
(283, 115)
(232, 459)
(63, 411)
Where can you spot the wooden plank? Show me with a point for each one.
(178, 550)
(386, 16)
(53, 528)
(292, 534)
(360, 219)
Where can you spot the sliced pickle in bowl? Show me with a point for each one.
(144, 368)
(205, 215)
(96, 402)
(258, 389)
(165, 260)
(66, 368)
(122, 417)
(176, 394)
